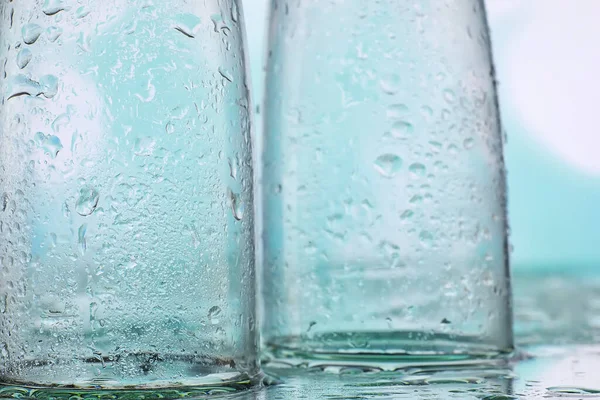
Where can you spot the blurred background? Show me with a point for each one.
(546, 62)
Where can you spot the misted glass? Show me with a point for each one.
(126, 231)
(385, 232)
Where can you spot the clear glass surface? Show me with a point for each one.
(385, 232)
(126, 226)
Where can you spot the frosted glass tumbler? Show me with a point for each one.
(126, 231)
(385, 232)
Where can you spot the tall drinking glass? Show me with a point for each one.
(126, 231)
(385, 233)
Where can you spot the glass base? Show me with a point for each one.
(164, 378)
(380, 351)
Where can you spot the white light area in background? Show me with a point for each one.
(552, 77)
(497, 8)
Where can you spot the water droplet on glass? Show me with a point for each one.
(188, 24)
(31, 33)
(82, 12)
(390, 84)
(60, 122)
(213, 314)
(53, 32)
(4, 351)
(4, 201)
(219, 24)
(388, 165)
(87, 201)
(170, 127)
(20, 85)
(225, 74)
(234, 12)
(417, 170)
(408, 214)
(469, 143)
(49, 85)
(50, 144)
(402, 129)
(416, 199)
(52, 7)
(237, 206)
(81, 238)
(233, 168)
(445, 321)
(389, 322)
(396, 111)
(23, 58)
(310, 326)
(453, 149)
(426, 239)
(144, 146)
(449, 96)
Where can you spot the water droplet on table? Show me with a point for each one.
(87, 201)
(388, 165)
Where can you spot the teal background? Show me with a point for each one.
(547, 89)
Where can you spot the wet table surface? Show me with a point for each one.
(557, 323)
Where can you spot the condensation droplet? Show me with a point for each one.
(144, 146)
(219, 24)
(60, 122)
(50, 144)
(416, 199)
(24, 57)
(87, 201)
(188, 24)
(388, 165)
(449, 96)
(310, 326)
(417, 170)
(4, 201)
(213, 314)
(225, 74)
(52, 7)
(234, 12)
(390, 84)
(82, 12)
(408, 214)
(402, 129)
(20, 85)
(396, 111)
(469, 143)
(49, 86)
(81, 238)
(31, 33)
(426, 239)
(237, 206)
(169, 127)
(53, 32)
